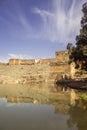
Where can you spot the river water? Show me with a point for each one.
(41, 107)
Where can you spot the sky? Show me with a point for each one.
(34, 29)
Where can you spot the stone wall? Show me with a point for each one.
(27, 62)
(21, 62)
(14, 61)
(60, 68)
(47, 61)
(72, 70)
(44, 70)
(62, 56)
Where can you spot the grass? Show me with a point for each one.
(84, 97)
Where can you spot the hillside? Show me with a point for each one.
(24, 73)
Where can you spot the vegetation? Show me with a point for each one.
(84, 97)
(78, 53)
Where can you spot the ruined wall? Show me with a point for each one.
(47, 61)
(21, 62)
(14, 61)
(72, 70)
(27, 62)
(60, 68)
(62, 56)
(58, 65)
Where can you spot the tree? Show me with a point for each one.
(79, 52)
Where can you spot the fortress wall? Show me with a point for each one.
(60, 69)
(61, 65)
(21, 62)
(28, 62)
(62, 56)
(47, 61)
(14, 61)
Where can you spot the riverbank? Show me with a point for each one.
(75, 84)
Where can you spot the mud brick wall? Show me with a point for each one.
(14, 61)
(62, 56)
(27, 62)
(46, 61)
(60, 68)
(21, 62)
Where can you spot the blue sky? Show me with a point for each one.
(37, 28)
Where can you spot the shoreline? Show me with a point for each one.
(74, 84)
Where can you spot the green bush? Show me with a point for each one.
(84, 97)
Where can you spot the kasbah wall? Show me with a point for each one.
(21, 62)
(60, 57)
(58, 65)
(61, 65)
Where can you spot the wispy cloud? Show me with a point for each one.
(42, 12)
(24, 23)
(64, 23)
(15, 20)
(67, 19)
(47, 23)
(18, 56)
(61, 24)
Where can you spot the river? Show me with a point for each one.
(41, 107)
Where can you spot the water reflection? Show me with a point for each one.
(78, 116)
(41, 107)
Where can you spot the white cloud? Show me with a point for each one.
(64, 23)
(61, 24)
(42, 13)
(19, 56)
(24, 23)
